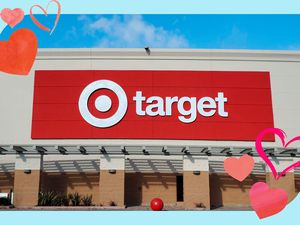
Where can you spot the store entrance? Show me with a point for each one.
(179, 187)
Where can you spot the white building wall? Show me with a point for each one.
(16, 92)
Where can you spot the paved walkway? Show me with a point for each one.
(115, 208)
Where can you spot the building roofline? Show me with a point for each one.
(166, 54)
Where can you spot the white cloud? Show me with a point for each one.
(131, 31)
(235, 40)
(294, 47)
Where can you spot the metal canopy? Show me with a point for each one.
(144, 150)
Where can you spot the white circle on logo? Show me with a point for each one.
(103, 103)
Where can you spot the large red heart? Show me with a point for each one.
(17, 55)
(260, 150)
(266, 201)
(12, 17)
(239, 168)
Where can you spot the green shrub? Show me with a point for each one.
(87, 200)
(4, 202)
(60, 200)
(52, 198)
(46, 198)
(75, 199)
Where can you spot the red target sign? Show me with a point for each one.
(196, 105)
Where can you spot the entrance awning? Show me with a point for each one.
(145, 150)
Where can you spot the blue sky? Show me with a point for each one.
(275, 32)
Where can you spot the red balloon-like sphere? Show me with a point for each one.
(157, 204)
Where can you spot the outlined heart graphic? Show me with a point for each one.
(12, 17)
(41, 26)
(260, 150)
(266, 201)
(17, 55)
(239, 168)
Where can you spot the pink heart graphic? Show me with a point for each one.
(239, 168)
(12, 17)
(281, 134)
(266, 201)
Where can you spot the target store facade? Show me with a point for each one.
(127, 125)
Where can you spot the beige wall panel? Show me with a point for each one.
(226, 191)
(286, 183)
(141, 188)
(196, 189)
(158, 186)
(26, 188)
(111, 187)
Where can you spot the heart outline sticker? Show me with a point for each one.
(41, 26)
(260, 150)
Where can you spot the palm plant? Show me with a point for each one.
(75, 199)
(87, 200)
(60, 200)
(46, 198)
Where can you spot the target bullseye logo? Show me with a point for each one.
(103, 103)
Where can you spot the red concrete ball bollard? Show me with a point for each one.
(157, 204)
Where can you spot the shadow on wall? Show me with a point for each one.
(6, 177)
(71, 166)
(156, 166)
(297, 183)
(226, 191)
(141, 188)
(70, 176)
(6, 182)
(70, 182)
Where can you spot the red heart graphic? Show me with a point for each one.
(266, 201)
(12, 17)
(260, 150)
(239, 168)
(18, 53)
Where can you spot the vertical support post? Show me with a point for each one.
(112, 180)
(196, 182)
(27, 180)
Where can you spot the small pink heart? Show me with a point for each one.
(266, 201)
(12, 17)
(260, 150)
(239, 168)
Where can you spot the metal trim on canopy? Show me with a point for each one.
(145, 150)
